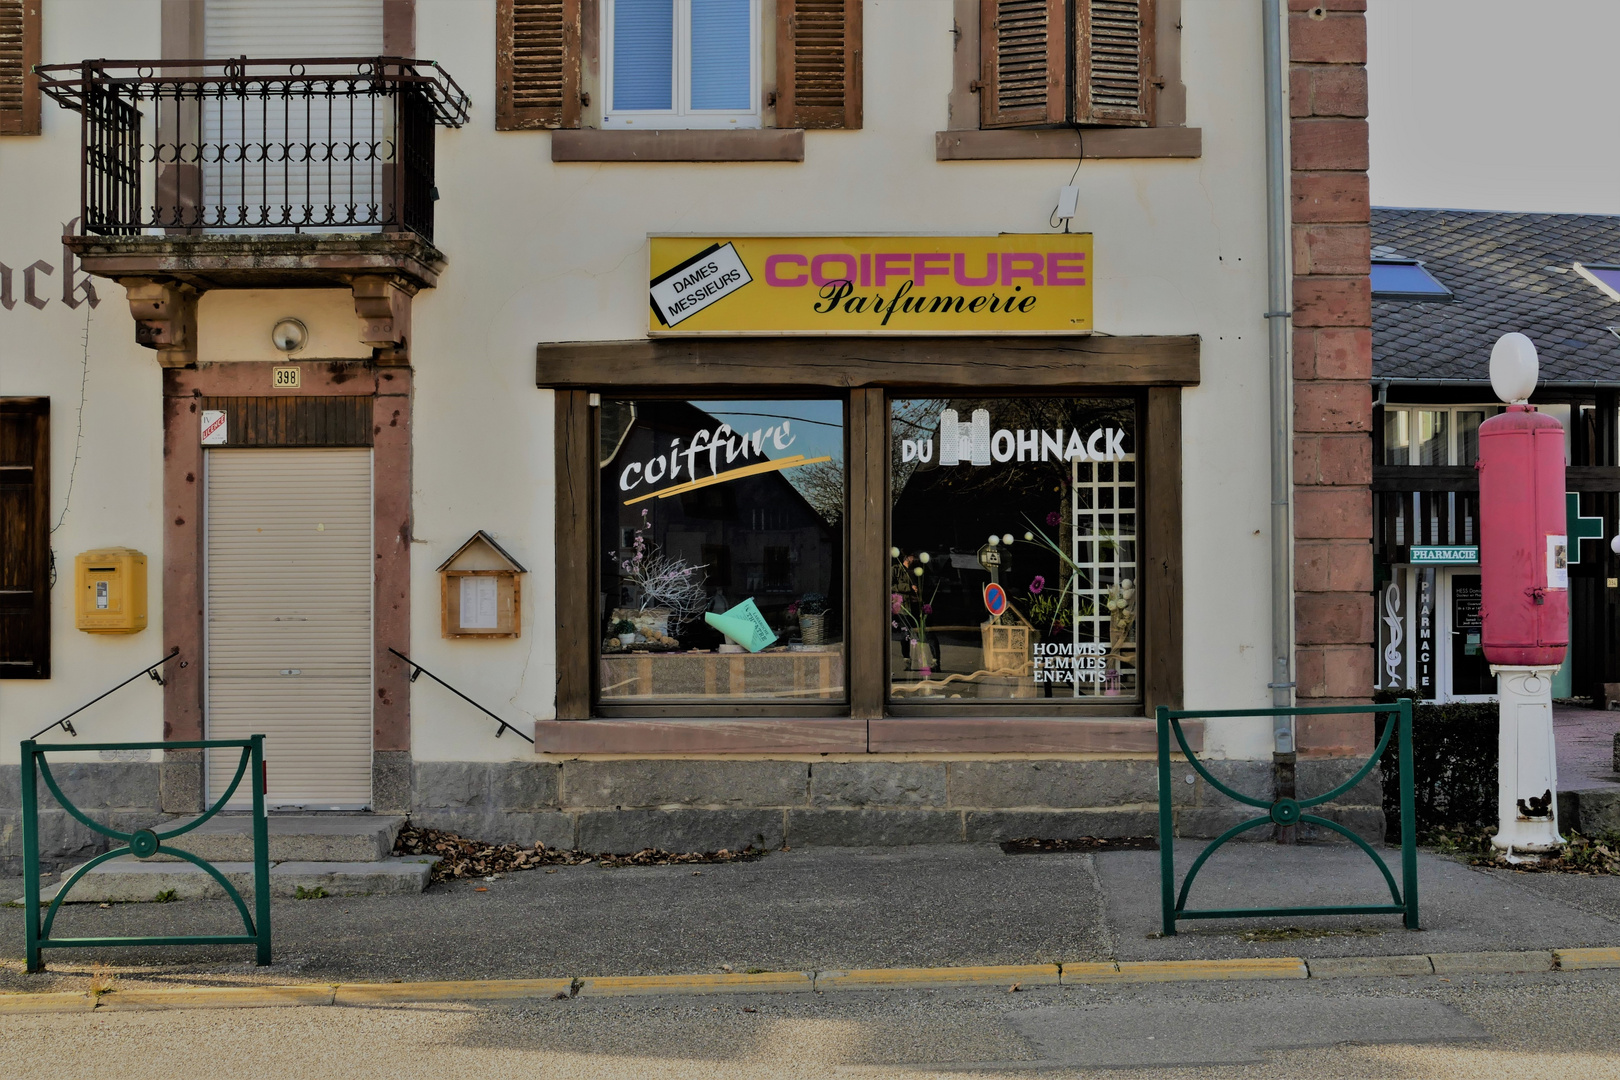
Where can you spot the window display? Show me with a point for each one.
(722, 532)
(1013, 565)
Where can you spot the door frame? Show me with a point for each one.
(387, 430)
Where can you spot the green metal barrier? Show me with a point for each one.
(1285, 811)
(143, 844)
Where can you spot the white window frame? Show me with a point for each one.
(683, 115)
(1453, 430)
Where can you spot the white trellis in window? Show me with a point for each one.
(1102, 545)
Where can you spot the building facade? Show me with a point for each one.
(1446, 284)
(720, 394)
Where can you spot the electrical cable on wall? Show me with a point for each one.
(1064, 192)
(78, 440)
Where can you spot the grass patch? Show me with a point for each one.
(317, 893)
(167, 896)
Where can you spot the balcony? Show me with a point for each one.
(243, 173)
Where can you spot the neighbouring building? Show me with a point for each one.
(719, 392)
(1445, 285)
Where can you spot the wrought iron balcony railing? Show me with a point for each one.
(339, 144)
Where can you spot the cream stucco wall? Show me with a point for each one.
(112, 496)
(557, 252)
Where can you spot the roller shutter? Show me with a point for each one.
(289, 620)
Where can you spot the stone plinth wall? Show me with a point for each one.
(704, 805)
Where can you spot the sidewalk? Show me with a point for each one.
(832, 909)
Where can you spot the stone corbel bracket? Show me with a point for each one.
(165, 315)
(383, 305)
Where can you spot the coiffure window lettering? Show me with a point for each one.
(874, 285)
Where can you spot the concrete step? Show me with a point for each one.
(129, 880)
(293, 838)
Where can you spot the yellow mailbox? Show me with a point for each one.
(110, 586)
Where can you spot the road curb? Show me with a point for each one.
(1010, 976)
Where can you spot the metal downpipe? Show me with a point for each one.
(1278, 320)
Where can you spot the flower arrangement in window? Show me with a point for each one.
(908, 609)
(670, 592)
(811, 611)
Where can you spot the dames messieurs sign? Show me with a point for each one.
(1012, 284)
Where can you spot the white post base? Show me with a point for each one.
(1527, 787)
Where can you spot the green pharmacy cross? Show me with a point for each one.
(1579, 528)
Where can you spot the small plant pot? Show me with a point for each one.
(627, 640)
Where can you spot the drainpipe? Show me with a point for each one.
(1278, 324)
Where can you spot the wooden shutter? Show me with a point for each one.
(1023, 47)
(25, 538)
(818, 64)
(537, 64)
(1114, 62)
(19, 52)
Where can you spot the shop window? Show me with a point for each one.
(725, 583)
(1013, 566)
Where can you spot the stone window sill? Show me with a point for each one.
(1023, 143)
(757, 144)
(967, 735)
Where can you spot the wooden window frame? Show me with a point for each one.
(868, 370)
(39, 533)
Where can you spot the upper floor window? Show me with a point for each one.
(681, 63)
(1433, 435)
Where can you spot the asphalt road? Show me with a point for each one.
(1551, 1026)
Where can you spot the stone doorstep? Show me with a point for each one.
(121, 881)
(338, 838)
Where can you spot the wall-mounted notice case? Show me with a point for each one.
(480, 591)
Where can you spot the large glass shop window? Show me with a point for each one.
(723, 551)
(1013, 571)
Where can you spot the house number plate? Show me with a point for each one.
(284, 378)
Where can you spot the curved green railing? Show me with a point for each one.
(1287, 811)
(144, 844)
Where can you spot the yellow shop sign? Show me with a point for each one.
(1010, 284)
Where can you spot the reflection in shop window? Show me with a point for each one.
(724, 580)
(1014, 566)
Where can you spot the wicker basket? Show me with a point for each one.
(813, 629)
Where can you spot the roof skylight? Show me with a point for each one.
(1606, 276)
(1405, 279)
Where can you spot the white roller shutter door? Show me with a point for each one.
(289, 620)
(288, 29)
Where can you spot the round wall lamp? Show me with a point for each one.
(289, 335)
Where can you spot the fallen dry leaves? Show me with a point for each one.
(460, 857)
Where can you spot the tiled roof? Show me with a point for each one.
(1498, 265)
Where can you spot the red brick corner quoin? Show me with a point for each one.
(1333, 571)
